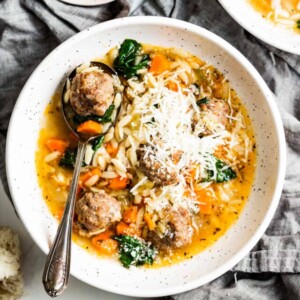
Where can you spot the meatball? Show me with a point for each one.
(219, 110)
(154, 170)
(177, 230)
(96, 211)
(91, 93)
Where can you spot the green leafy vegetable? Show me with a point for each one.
(298, 24)
(134, 252)
(204, 100)
(129, 60)
(97, 142)
(106, 118)
(224, 172)
(69, 158)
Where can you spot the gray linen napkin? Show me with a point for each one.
(30, 29)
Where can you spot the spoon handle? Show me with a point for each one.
(57, 267)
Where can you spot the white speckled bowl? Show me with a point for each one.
(282, 38)
(236, 243)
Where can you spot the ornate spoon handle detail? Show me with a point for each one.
(57, 267)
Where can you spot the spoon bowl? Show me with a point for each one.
(67, 109)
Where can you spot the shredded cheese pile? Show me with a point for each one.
(167, 126)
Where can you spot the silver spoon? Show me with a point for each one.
(57, 267)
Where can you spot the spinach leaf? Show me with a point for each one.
(69, 158)
(204, 100)
(134, 252)
(97, 142)
(129, 60)
(224, 173)
(106, 118)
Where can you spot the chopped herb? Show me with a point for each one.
(134, 252)
(69, 158)
(298, 24)
(97, 142)
(106, 118)
(129, 60)
(204, 100)
(224, 172)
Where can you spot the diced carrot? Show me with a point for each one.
(171, 85)
(111, 150)
(104, 244)
(159, 64)
(150, 223)
(87, 175)
(118, 183)
(57, 145)
(123, 228)
(130, 214)
(90, 127)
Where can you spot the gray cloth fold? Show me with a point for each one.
(29, 30)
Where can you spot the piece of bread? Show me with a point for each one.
(11, 280)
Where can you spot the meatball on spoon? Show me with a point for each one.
(89, 109)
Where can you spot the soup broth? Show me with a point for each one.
(178, 166)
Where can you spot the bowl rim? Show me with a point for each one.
(261, 34)
(178, 24)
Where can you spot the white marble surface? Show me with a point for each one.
(33, 260)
